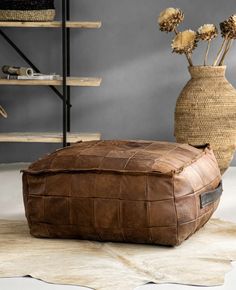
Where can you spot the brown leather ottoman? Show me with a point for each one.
(123, 191)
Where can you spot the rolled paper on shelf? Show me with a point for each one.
(19, 71)
(3, 113)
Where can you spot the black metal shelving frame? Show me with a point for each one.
(65, 95)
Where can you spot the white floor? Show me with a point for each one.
(11, 207)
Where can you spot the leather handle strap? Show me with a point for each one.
(209, 197)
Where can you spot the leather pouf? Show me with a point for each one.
(124, 191)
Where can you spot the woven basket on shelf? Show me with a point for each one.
(206, 113)
(27, 10)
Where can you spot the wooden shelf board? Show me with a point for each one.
(71, 81)
(47, 137)
(53, 24)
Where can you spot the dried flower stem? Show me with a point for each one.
(176, 31)
(3, 112)
(188, 56)
(207, 52)
(227, 48)
(219, 52)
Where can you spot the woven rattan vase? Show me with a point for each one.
(206, 113)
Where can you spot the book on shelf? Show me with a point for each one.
(35, 76)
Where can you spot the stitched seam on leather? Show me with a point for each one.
(95, 181)
(166, 154)
(193, 160)
(45, 182)
(148, 209)
(47, 229)
(104, 156)
(97, 197)
(196, 171)
(201, 216)
(26, 194)
(197, 207)
(68, 208)
(95, 189)
(120, 212)
(177, 220)
(131, 157)
(70, 195)
(92, 146)
(95, 177)
(196, 192)
(94, 220)
(87, 227)
(190, 181)
(96, 170)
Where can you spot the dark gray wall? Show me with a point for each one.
(141, 78)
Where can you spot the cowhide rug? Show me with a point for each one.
(204, 259)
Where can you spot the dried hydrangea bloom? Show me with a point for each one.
(207, 32)
(228, 28)
(170, 18)
(185, 42)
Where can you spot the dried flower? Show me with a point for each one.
(170, 18)
(228, 28)
(185, 42)
(207, 32)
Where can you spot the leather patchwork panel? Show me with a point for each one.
(162, 213)
(137, 235)
(86, 161)
(159, 187)
(133, 187)
(113, 163)
(183, 185)
(106, 213)
(83, 185)
(56, 210)
(186, 208)
(82, 212)
(165, 235)
(36, 184)
(63, 161)
(35, 204)
(107, 185)
(58, 185)
(185, 230)
(134, 214)
(139, 164)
